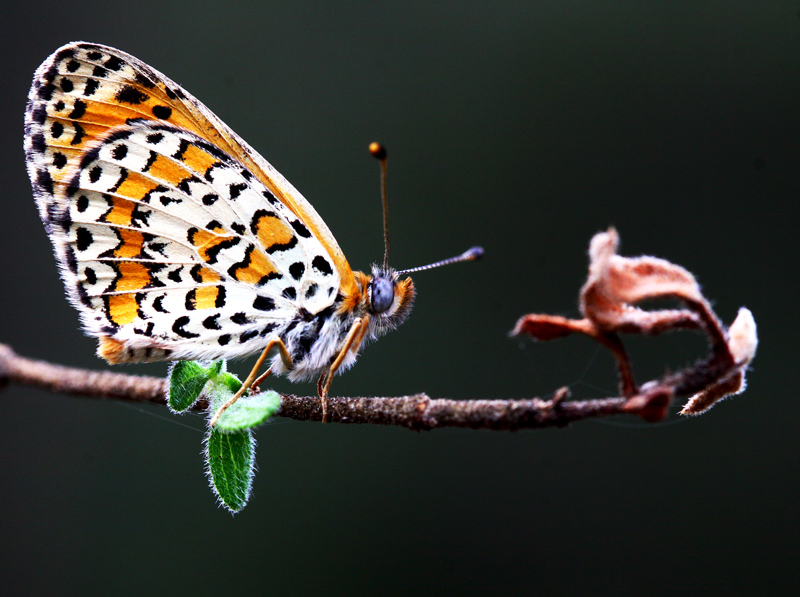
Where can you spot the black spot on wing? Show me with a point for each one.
(114, 63)
(43, 181)
(267, 329)
(83, 238)
(145, 80)
(212, 323)
(162, 112)
(322, 266)
(236, 189)
(38, 143)
(91, 276)
(240, 318)
(72, 262)
(39, 114)
(90, 87)
(297, 269)
(220, 302)
(248, 336)
(63, 219)
(130, 95)
(300, 228)
(79, 134)
(78, 110)
(191, 300)
(45, 92)
(158, 305)
(59, 159)
(120, 151)
(51, 73)
(263, 303)
(178, 326)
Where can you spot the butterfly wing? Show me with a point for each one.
(175, 238)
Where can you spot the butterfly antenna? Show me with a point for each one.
(472, 254)
(378, 151)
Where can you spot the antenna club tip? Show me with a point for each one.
(377, 150)
(474, 254)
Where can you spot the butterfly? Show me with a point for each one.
(176, 240)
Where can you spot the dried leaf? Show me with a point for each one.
(742, 337)
(703, 401)
(615, 283)
(549, 327)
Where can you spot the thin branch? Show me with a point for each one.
(415, 412)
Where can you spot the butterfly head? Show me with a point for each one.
(389, 298)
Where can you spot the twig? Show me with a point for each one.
(415, 412)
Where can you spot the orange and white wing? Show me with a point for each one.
(174, 237)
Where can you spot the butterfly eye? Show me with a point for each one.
(381, 294)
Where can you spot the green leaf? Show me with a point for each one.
(249, 411)
(186, 381)
(229, 381)
(230, 458)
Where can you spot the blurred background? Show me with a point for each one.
(524, 127)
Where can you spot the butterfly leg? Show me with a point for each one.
(353, 340)
(249, 382)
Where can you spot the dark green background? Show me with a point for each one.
(525, 127)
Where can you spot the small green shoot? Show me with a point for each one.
(230, 445)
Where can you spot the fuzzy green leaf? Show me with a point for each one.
(249, 411)
(229, 381)
(230, 458)
(186, 381)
